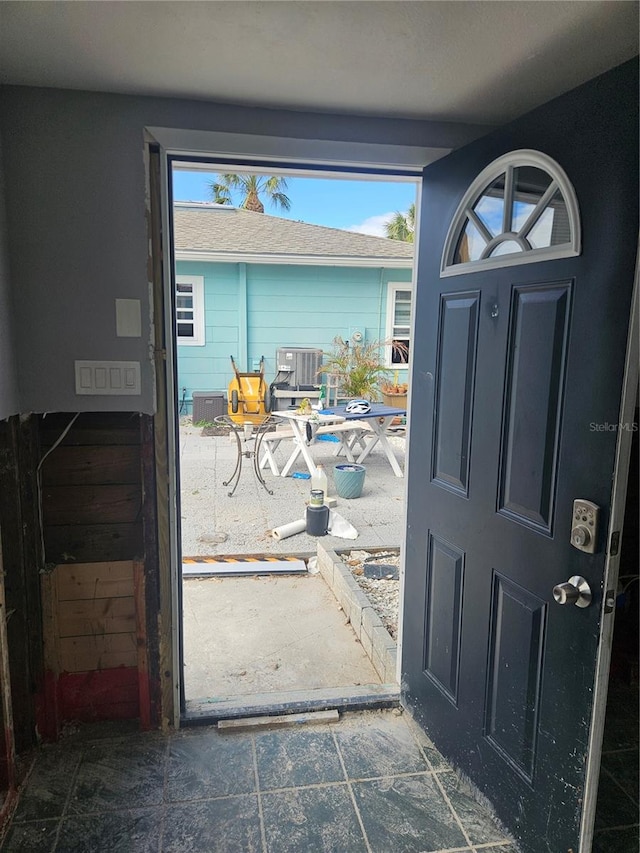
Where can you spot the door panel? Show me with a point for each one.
(514, 681)
(536, 358)
(458, 332)
(514, 369)
(444, 616)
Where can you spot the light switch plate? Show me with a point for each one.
(107, 377)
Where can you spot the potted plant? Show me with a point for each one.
(358, 368)
(395, 393)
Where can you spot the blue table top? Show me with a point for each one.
(378, 410)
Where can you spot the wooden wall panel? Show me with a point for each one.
(92, 487)
(22, 557)
(97, 616)
(83, 465)
(99, 429)
(84, 504)
(109, 694)
(95, 644)
(104, 651)
(85, 542)
(94, 580)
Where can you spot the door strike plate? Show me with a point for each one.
(609, 601)
(615, 543)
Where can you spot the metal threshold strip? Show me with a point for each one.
(351, 698)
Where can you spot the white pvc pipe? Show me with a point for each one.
(290, 529)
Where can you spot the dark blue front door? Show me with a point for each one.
(516, 372)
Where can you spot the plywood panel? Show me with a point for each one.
(95, 580)
(96, 616)
(89, 504)
(85, 465)
(104, 651)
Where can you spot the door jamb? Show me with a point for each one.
(171, 665)
(612, 565)
(164, 439)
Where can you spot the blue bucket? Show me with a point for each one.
(349, 480)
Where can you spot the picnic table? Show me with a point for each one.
(379, 418)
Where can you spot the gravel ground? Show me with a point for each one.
(383, 592)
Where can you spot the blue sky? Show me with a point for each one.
(353, 205)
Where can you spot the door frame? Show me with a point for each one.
(612, 563)
(249, 153)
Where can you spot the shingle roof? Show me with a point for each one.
(231, 230)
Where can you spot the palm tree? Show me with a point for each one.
(402, 226)
(250, 187)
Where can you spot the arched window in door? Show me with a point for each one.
(521, 208)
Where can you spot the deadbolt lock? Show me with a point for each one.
(584, 526)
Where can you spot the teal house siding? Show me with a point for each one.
(252, 309)
(206, 368)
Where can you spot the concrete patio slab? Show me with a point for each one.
(267, 634)
(213, 523)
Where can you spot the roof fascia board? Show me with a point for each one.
(292, 260)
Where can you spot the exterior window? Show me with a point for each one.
(521, 208)
(190, 310)
(398, 324)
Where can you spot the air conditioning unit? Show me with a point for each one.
(299, 366)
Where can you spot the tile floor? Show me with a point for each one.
(617, 827)
(371, 782)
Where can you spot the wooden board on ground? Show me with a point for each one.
(331, 716)
(200, 567)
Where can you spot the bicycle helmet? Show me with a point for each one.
(358, 407)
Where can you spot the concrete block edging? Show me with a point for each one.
(378, 644)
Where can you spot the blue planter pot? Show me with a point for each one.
(349, 480)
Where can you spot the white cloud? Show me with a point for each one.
(374, 225)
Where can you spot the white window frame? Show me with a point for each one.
(392, 289)
(197, 285)
(506, 164)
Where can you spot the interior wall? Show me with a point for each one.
(9, 402)
(75, 185)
